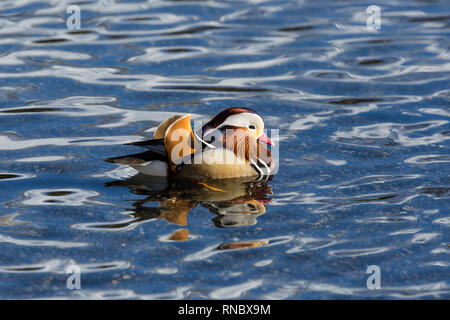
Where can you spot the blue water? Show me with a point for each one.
(363, 120)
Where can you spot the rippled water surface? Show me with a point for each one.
(364, 149)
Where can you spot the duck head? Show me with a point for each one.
(241, 131)
(247, 120)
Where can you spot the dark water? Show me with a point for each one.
(363, 177)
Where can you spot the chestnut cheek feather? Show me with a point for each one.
(245, 146)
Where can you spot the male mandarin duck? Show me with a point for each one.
(232, 145)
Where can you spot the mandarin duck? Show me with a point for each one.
(231, 145)
(236, 202)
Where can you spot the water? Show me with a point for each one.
(364, 153)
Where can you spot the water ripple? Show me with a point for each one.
(357, 252)
(235, 291)
(237, 245)
(17, 58)
(42, 243)
(391, 134)
(9, 176)
(11, 141)
(427, 159)
(59, 266)
(59, 197)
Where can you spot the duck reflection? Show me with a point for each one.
(236, 202)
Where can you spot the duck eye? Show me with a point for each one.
(251, 127)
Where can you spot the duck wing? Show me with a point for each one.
(156, 151)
